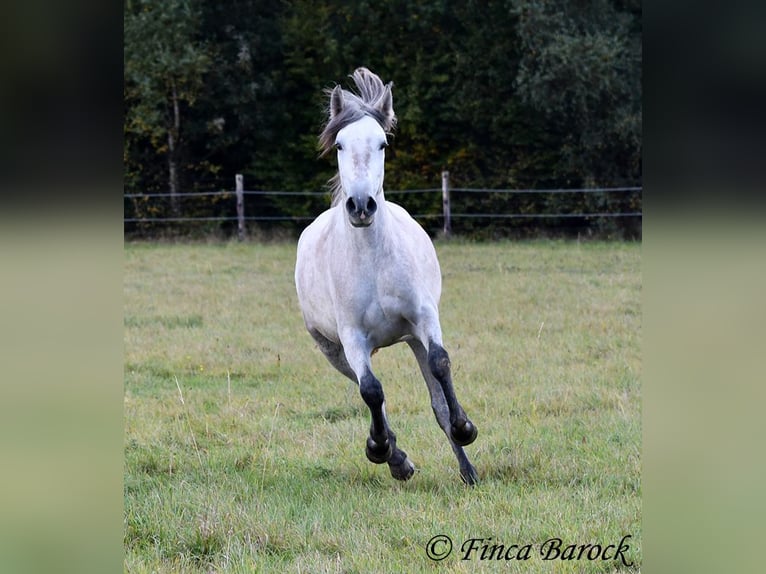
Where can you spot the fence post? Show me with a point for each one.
(240, 187)
(445, 204)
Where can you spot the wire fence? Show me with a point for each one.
(475, 207)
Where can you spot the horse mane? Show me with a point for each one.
(370, 101)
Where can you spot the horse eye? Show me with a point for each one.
(384, 145)
(338, 146)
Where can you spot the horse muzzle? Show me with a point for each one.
(361, 210)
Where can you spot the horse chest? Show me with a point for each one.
(381, 307)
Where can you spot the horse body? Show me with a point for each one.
(371, 281)
(367, 277)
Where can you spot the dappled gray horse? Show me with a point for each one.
(367, 276)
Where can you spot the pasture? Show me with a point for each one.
(244, 448)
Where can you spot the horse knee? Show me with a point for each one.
(438, 362)
(371, 390)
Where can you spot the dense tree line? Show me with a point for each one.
(504, 94)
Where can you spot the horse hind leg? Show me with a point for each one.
(442, 413)
(334, 353)
(463, 431)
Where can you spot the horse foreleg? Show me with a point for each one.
(379, 448)
(381, 444)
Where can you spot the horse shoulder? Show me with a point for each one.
(311, 277)
(416, 238)
(423, 265)
(414, 230)
(315, 230)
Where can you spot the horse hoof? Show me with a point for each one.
(469, 475)
(403, 471)
(378, 453)
(465, 434)
(401, 466)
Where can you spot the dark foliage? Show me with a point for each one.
(513, 94)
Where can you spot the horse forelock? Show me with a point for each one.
(372, 93)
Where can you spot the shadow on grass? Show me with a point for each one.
(335, 414)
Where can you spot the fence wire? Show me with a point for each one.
(255, 218)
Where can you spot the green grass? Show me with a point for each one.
(244, 449)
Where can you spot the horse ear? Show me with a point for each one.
(386, 107)
(336, 101)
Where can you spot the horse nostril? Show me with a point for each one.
(361, 207)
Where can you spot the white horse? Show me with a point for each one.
(367, 276)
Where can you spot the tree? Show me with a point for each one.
(581, 68)
(165, 64)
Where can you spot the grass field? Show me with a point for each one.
(244, 449)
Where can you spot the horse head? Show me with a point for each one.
(357, 129)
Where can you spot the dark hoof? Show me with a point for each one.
(378, 453)
(400, 465)
(469, 475)
(464, 434)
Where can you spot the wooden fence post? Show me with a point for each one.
(445, 204)
(240, 187)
